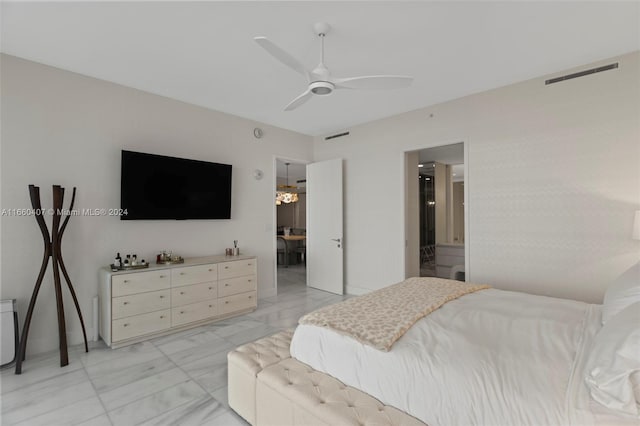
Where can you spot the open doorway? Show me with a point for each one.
(436, 212)
(291, 224)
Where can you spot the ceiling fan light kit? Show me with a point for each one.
(320, 80)
(321, 88)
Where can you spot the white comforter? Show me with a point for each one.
(488, 358)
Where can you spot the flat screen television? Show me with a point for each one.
(158, 187)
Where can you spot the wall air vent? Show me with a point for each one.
(581, 73)
(338, 135)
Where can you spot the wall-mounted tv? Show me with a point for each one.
(159, 187)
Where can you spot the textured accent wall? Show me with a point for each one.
(553, 179)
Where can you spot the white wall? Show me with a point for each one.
(554, 178)
(63, 128)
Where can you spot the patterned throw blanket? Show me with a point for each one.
(381, 317)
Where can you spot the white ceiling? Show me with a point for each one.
(297, 171)
(447, 154)
(204, 53)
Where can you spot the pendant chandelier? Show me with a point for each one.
(284, 193)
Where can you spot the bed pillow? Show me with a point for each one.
(613, 364)
(624, 291)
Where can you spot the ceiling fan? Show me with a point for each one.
(320, 80)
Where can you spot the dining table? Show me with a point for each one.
(286, 239)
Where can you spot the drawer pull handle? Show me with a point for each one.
(161, 316)
(162, 276)
(249, 264)
(125, 303)
(249, 281)
(125, 281)
(182, 292)
(250, 297)
(226, 285)
(182, 273)
(226, 302)
(210, 288)
(161, 297)
(211, 306)
(125, 325)
(182, 312)
(210, 270)
(226, 267)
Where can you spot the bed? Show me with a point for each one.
(490, 357)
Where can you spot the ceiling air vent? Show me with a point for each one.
(582, 73)
(338, 135)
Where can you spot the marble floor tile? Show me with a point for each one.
(194, 354)
(72, 414)
(221, 395)
(284, 323)
(102, 420)
(122, 357)
(213, 380)
(34, 371)
(229, 418)
(244, 336)
(190, 342)
(232, 329)
(45, 396)
(130, 392)
(162, 340)
(213, 361)
(120, 377)
(155, 404)
(201, 411)
(178, 379)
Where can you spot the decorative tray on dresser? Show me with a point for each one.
(136, 305)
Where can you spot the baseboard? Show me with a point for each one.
(356, 291)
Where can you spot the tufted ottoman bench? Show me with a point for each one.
(244, 364)
(269, 388)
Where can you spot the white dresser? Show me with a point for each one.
(136, 305)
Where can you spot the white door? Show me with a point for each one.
(324, 226)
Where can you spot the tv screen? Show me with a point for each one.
(160, 187)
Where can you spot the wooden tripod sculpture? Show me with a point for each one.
(52, 249)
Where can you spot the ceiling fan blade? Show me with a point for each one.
(299, 100)
(373, 82)
(281, 55)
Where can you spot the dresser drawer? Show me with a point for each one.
(194, 312)
(193, 293)
(126, 328)
(237, 302)
(193, 275)
(236, 285)
(237, 268)
(135, 304)
(139, 282)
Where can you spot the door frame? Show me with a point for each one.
(467, 206)
(274, 218)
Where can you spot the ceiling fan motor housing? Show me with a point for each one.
(321, 87)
